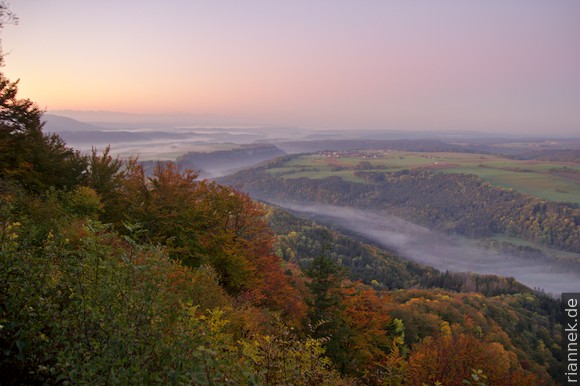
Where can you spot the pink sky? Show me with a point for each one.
(498, 65)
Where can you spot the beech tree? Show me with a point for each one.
(27, 155)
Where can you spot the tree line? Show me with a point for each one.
(111, 275)
(456, 203)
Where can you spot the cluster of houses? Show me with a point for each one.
(352, 154)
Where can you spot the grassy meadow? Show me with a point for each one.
(555, 181)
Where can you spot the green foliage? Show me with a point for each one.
(84, 202)
(81, 304)
(27, 155)
(97, 309)
(353, 320)
(109, 276)
(326, 305)
(326, 278)
(106, 175)
(165, 206)
(298, 240)
(554, 181)
(458, 203)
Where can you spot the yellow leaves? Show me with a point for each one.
(444, 328)
(394, 367)
(9, 236)
(284, 359)
(216, 320)
(279, 358)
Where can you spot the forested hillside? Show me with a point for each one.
(568, 155)
(110, 276)
(458, 203)
(298, 240)
(234, 159)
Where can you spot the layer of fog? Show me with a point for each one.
(441, 251)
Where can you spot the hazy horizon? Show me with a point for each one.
(494, 67)
(111, 120)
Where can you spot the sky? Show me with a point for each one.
(493, 66)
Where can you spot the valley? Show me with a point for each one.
(395, 245)
(443, 252)
(455, 211)
(519, 178)
(289, 193)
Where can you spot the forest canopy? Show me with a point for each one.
(111, 275)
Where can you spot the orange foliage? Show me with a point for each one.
(273, 289)
(367, 318)
(239, 242)
(450, 360)
(201, 222)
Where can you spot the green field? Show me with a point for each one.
(555, 181)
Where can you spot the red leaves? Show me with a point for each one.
(274, 290)
(201, 222)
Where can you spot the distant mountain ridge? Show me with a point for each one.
(58, 124)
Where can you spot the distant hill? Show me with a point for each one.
(122, 136)
(218, 162)
(59, 124)
(563, 155)
(365, 144)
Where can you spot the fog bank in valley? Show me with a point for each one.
(442, 251)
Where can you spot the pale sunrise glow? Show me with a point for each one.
(494, 66)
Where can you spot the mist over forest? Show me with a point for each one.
(444, 252)
(218, 151)
(414, 244)
(289, 193)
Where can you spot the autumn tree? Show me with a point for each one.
(449, 359)
(163, 205)
(105, 175)
(233, 233)
(366, 339)
(27, 155)
(203, 223)
(273, 289)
